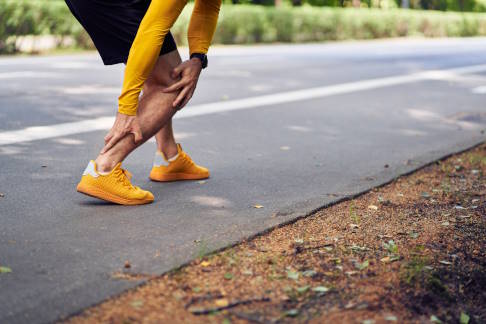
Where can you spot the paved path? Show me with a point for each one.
(292, 128)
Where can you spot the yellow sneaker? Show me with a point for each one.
(114, 187)
(182, 168)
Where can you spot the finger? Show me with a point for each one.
(108, 136)
(175, 86)
(181, 96)
(176, 71)
(186, 99)
(111, 143)
(137, 134)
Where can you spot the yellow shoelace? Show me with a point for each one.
(124, 177)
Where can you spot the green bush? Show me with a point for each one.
(248, 24)
(27, 17)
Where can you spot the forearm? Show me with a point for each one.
(145, 50)
(203, 25)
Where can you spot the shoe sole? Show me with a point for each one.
(177, 177)
(103, 195)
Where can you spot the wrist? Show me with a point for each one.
(201, 57)
(197, 61)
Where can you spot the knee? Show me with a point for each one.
(161, 74)
(159, 81)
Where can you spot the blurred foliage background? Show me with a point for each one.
(266, 21)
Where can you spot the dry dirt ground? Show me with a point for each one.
(411, 251)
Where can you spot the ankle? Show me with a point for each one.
(169, 150)
(104, 164)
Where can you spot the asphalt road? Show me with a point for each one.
(292, 128)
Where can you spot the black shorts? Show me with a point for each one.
(113, 24)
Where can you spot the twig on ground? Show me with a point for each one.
(203, 311)
(196, 299)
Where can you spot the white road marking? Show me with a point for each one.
(28, 74)
(479, 90)
(87, 89)
(45, 132)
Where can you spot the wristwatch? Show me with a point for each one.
(202, 57)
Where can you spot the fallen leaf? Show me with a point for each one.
(459, 207)
(425, 194)
(205, 264)
(368, 321)
(309, 273)
(373, 207)
(435, 319)
(357, 248)
(446, 223)
(196, 289)
(385, 259)
(222, 302)
(226, 321)
(414, 235)
(257, 206)
(362, 266)
(464, 319)
(136, 303)
(299, 241)
(303, 289)
(320, 289)
(292, 312)
(391, 318)
(445, 262)
(292, 275)
(336, 260)
(5, 269)
(247, 272)
(391, 247)
(228, 276)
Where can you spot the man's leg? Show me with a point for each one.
(155, 112)
(165, 141)
(171, 163)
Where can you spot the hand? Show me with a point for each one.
(188, 72)
(124, 124)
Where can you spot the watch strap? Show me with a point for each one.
(202, 57)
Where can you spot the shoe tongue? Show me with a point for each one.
(127, 173)
(117, 166)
